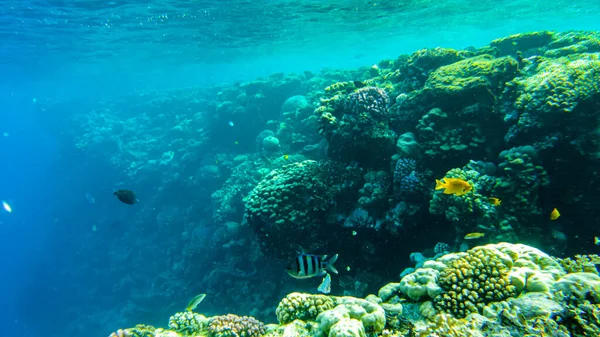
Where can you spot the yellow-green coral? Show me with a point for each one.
(187, 322)
(302, 306)
(522, 42)
(470, 210)
(142, 330)
(476, 71)
(341, 87)
(559, 84)
(580, 263)
(447, 325)
(477, 277)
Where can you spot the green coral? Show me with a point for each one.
(467, 211)
(580, 263)
(473, 80)
(142, 330)
(558, 85)
(302, 306)
(478, 277)
(476, 81)
(424, 61)
(573, 43)
(511, 45)
(356, 126)
(521, 177)
(187, 322)
(446, 136)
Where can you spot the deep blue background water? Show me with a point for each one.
(55, 50)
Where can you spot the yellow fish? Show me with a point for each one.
(286, 157)
(454, 186)
(555, 214)
(494, 201)
(475, 235)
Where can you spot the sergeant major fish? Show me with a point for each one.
(307, 266)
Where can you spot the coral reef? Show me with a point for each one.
(302, 306)
(493, 290)
(233, 178)
(235, 326)
(356, 126)
(187, 322)
(298, 200)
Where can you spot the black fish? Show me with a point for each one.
(126, 196)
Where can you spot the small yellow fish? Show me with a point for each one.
(555, 214)
(286, 157)
(454, 186)
(494, 201)
(195, 301)
(475, 235)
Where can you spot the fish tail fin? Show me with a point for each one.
(439, 184)
(329, 264)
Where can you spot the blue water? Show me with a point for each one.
(80, 52)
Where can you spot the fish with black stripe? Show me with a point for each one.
(307, 266)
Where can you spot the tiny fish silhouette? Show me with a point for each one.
(126, 196)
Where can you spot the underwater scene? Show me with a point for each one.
(289, 168)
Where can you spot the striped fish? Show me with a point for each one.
(307, 266)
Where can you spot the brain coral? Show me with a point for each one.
(302, 306)
(296, 201)
(492, 273)
(474, 279)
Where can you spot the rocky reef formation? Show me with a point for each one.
(498, 289)
(236, 178)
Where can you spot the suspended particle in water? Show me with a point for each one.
(354, 233)
(6, 207)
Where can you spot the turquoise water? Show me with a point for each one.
(161, 97)
(158, 44)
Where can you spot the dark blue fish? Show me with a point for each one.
(126, 196)
(307, 266)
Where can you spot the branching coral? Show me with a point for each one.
(580, 263)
